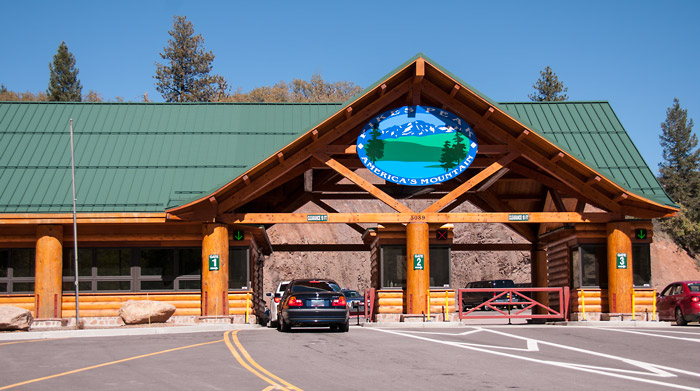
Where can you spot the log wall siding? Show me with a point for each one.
(596, 300)
(392, 301)
(99, 304)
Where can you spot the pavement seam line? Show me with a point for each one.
(249, 360)
(31, 340)
(103, 365)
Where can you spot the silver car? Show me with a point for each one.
(275, 300)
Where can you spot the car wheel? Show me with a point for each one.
(274, 323)
(680, 319)
(284, 326)
(346, 327)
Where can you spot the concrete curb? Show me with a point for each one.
(125, 331)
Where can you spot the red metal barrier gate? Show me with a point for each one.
(512, 303)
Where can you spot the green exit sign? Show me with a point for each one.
(640, 233)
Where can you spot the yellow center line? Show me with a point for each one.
(275, 384)
(104, 365)
(31, 340)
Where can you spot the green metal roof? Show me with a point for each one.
(147, 157)
(591, 132)
(142, 157)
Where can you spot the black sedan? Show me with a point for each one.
(312, 303)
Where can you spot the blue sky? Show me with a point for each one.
(638, 55)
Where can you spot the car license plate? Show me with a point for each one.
(317, 303)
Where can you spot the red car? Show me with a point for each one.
(680, 301)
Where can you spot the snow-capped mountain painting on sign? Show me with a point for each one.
(417, 145)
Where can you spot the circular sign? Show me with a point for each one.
(417, 145)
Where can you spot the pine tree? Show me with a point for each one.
(64, 85)
(375, 146)
(185, 76)
(680, 175)
(549, 88)
(679, 169)
(460, 149)
(447, 157)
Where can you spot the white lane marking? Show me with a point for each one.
(652, 334)
(654, 370)
(604, 355)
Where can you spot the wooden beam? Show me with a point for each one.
(522, 135)
(488, 113)
(273, 173)
(348, 113)
(473, 181)
(420, 71)
(621, 197)
(593, 180)
(493, 179)
(82, 218)
(527, 152)
(557, 157)
(359, 181)
(454, 90)
(280, 157)
(404, 218)
(382, 90)
(246, 180)
(488, 200)
(331, 209)
(341, 149)
(492, 149)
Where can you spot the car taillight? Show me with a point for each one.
(294, 302)
(695, 299)
(340, 302)
(277, 299)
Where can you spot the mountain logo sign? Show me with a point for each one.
(417, 145)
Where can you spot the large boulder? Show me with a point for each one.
(146, 311)
(15, 318)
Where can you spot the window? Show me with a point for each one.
(641, 264)
(439, 266)
(238, 268)
(17, 270)
(589, 266)
(393, 266)
(146, 269)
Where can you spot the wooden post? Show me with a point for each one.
(620, 277)
(215, 270)
(48, 274)
(417, 267)
(538, 277)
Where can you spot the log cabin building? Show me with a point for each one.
(174, 200)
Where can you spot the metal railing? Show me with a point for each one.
(513, 303)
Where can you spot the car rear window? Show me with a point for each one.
(694, 287)
(504, 284)
(315, 286)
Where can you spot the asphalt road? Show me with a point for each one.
(366, 358)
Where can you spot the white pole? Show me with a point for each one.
(75, 228)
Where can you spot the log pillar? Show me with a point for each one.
(215, 270)
(539, 278)
(417, 267)
(620, 277)
(48, 272)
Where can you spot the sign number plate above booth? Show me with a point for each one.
(417, 145)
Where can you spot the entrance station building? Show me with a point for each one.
(174, 200)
